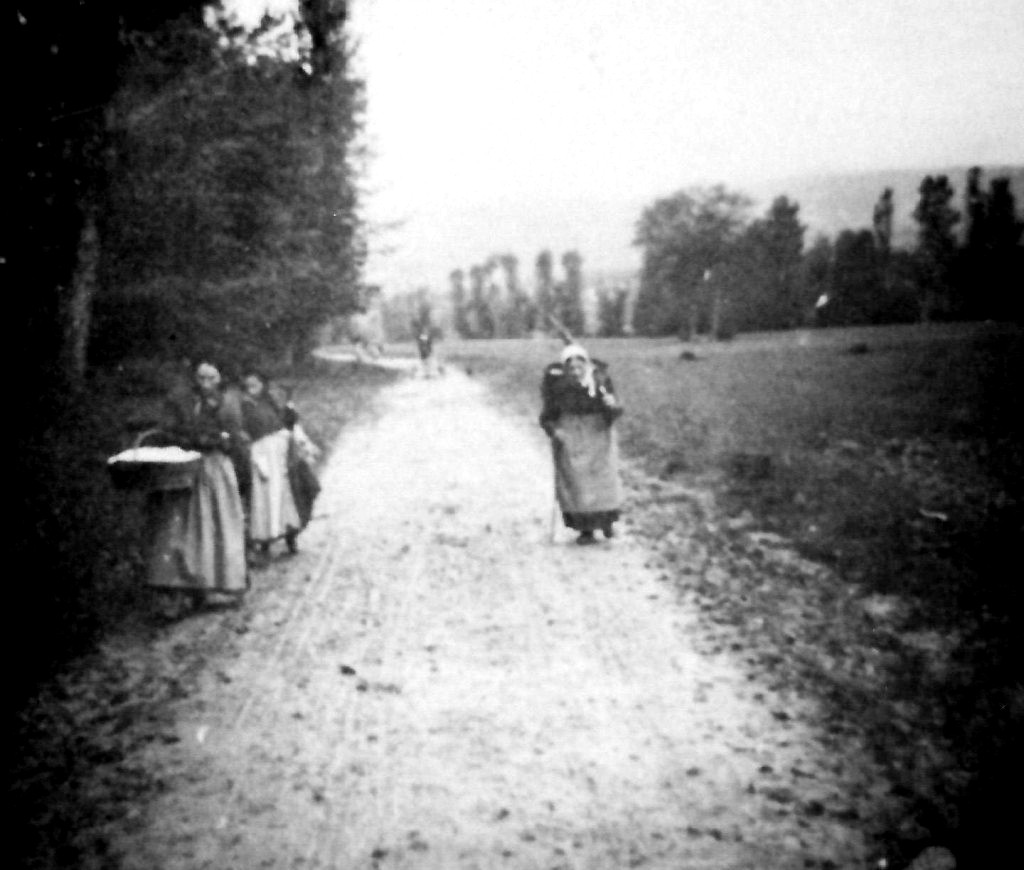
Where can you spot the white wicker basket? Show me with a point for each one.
(154, 468)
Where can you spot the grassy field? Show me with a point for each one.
(860, 445)
(889, 456)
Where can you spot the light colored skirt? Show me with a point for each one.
(197, 536)
(587, 465)
(272, 510)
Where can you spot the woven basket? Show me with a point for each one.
(154, 475)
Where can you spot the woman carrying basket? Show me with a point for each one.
(579, 408)
(199, 535)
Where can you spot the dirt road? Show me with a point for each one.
(433, 683)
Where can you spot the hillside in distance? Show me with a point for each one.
(833, 202)
(830, 203)
(441, 237)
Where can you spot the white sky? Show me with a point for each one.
(522, 124)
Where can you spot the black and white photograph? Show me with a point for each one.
(538, 435)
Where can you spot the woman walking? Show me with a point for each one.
(579, 409)
(198, 535)
(273, 514)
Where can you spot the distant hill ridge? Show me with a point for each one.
(602, 228)
(830, 203)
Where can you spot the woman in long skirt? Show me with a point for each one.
(198, 535)
(273, 514)
(579, 410)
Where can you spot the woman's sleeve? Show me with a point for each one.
(608, 388)
(231, 419)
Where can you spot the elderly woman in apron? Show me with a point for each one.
(579, 409)
(199, 534)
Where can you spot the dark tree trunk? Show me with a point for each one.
(323, 19)
(75, 308)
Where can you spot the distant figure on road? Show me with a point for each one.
(425, 346)
(579, 409)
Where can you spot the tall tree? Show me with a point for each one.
(683, 237)
(975, 211)
(611, 311)
(569, 294)
(544, 285)
(59, 157)
(857, 291)
(936, 246)
(518, 312)
(1005, 230)
(334, 106)
(881, 222)
(233, 221)
(816, 279)
(496, 298)
(459, 302)
(481, 317)
(772, 248)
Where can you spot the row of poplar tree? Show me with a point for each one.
(491, 300)
(708, 268)
(495, 304)
(182, 182)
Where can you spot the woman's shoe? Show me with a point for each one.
(586, 538)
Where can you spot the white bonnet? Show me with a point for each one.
(574, 350)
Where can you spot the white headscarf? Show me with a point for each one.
(571, 351)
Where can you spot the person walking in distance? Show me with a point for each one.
(425, 347)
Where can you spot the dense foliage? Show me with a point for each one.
(711, 268)
(231, 222)
(192, 182)
(184, 188)
(707, 269)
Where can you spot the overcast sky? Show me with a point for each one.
(537, 123)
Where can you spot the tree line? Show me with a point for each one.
(181, 188)
(183, 183)
(708, 268)
(491, 300)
